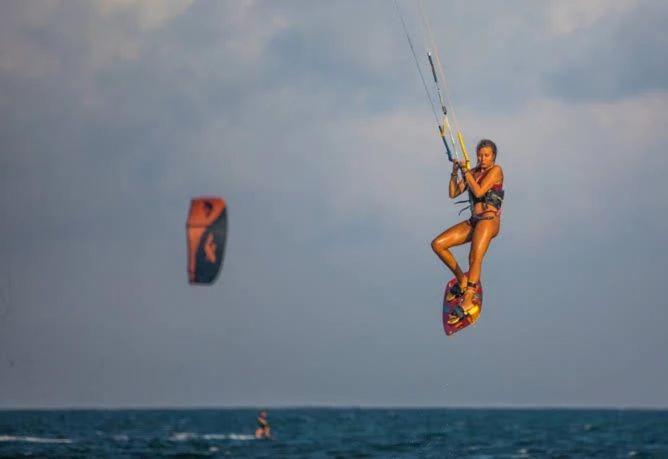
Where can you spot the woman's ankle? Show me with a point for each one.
(463, 281)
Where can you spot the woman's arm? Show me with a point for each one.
(456, 187)
(494, 176)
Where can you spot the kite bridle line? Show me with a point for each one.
(441, 127)
(444, 126)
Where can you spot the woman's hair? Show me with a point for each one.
(486, 143)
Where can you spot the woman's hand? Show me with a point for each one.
(459, 165)
(456, 186)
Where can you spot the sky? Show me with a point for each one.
(310, 120)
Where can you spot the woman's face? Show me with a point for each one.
(485, 157)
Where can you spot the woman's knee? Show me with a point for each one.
(438, 245)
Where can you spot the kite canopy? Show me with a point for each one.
(206, 231)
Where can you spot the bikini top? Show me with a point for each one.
(493, 197)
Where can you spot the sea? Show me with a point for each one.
(337, 433)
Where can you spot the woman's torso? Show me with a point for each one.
(483, 205)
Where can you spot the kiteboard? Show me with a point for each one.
(452, 309)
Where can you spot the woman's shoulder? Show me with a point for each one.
(496, 173)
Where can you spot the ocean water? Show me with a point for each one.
(345, 433)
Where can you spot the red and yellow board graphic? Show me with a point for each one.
(206, 231)
(450, 304)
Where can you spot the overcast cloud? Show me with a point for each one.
(309, 118)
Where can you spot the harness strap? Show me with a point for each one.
(465, 207)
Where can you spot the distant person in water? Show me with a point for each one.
(263, 429)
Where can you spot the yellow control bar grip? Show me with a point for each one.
(462, 145)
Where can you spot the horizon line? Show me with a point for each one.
(337, 407)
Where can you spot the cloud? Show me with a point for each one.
(564, 164)
(43, 38)
(320, 139)
(569, 163)
(149, 14)
(611, 58)
(20, 52)
(570, 16)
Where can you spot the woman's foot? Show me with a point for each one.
(469, 300)
(457, 290)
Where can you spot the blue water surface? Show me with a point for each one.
(345, 433)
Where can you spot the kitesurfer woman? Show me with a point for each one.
(263, 429)
(485, 186)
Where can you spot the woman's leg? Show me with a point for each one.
(483, 233)
(456, 235)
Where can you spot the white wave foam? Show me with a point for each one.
(232, 436)
(187, 436)
(12, 438)
(183, 436)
